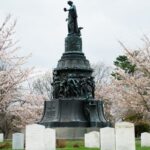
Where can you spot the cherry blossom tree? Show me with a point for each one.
(131, 93)
(18, 106)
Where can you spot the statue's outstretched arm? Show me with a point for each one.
(71, 8)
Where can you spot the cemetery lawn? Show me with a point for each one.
(70, 144)
(80, 143)
(138, 146)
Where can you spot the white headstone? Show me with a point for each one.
(1, 137)
(107, 137)
(50, 139)
(92, 139)
(145, 139)
(18, 141)
(35, 137)
(125, 136)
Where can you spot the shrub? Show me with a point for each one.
(5, 145)
(140, 124)
(133, 117)
(141, 127)
(76, 146)
(60, 143)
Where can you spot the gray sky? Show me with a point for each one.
(41, 27)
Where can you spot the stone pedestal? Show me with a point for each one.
(70, 133)
(73, 44)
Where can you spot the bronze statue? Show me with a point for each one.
(72, 20)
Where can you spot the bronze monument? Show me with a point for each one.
(73, 103)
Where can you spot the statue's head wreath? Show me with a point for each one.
(70, 2)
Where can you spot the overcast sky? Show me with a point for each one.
(41, 27)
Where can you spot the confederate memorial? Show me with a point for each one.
(73, 103)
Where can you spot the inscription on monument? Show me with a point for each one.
(51, 110)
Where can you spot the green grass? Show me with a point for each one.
(70, 144)
(138, 146)
(6, 141)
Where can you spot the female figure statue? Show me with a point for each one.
(72, 19)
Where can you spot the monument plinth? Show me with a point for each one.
(73, 103)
